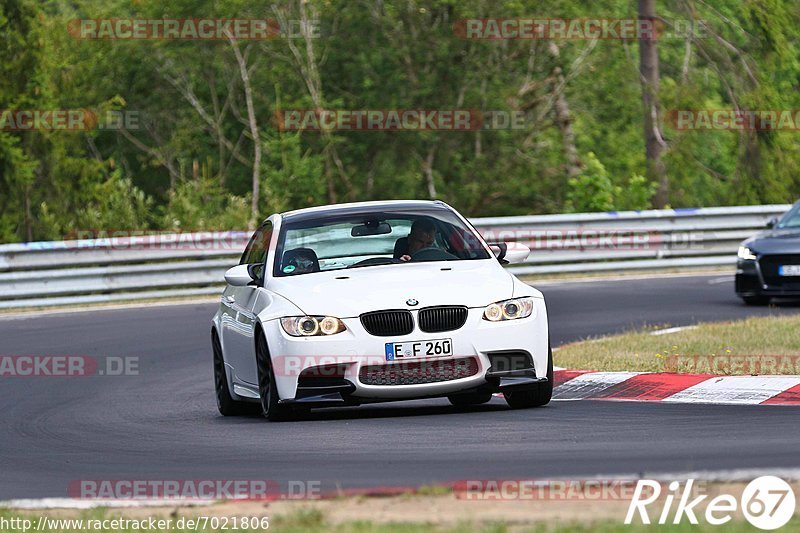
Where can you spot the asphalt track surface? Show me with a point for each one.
(163, 422)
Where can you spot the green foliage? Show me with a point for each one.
(637, 194)
(592, 190)
(188, 163)
(17, 175)
(117, 202)
(293, 175)
(111, 204)
(201, 204)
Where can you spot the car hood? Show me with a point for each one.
(777, 241)
(349, 292)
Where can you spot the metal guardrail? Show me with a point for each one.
(136, 267)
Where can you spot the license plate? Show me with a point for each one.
(789, 270)
(412, 349)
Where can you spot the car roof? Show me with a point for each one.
(357, 208)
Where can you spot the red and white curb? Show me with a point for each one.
(676, 388)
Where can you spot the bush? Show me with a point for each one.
(638, 194)
(113, 204)
(201, 204)
(591, 191)
(594, 191)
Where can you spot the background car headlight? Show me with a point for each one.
(508, 310)
(746, 253)
(309, 326)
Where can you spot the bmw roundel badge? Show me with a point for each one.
(411, 302)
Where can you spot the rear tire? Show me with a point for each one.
(270, 406)
(225, 403)
(536, 396)
(756, 300)
(467, 400)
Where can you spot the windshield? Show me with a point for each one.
(334, 242)
(791, 219)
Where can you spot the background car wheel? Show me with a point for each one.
(225, 403)
(465, 400)
(270, 407)
(756, 300)
(538, 395)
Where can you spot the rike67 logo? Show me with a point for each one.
(767, 502)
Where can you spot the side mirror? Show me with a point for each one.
(517, 252)
(239, 276)
(510, 252)
(771, 223)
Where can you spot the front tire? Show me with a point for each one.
(270, 406)
(537, 395)
(756, 300)
(226, 405)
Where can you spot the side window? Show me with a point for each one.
(256, 251)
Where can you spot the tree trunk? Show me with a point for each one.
(564, 116)
(26, 205)
(251, 118)
(428, 171)
(654, 143)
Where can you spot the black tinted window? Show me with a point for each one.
(381, 237)
(791, 219)
(256, 251)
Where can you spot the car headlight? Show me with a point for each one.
(746, 253)
(508, 310)
(310, 326)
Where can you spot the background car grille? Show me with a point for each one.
(769, 268)
(436, 319)
(417, 372)
(388, 323)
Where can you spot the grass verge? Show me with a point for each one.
(754, 346)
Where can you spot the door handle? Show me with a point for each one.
(228, 299)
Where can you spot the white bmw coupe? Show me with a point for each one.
(377, 301)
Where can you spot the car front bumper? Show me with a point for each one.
(482, 349)
(752, 281)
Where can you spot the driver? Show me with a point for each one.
(422, 235)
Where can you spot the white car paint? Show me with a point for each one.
(347, 293)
